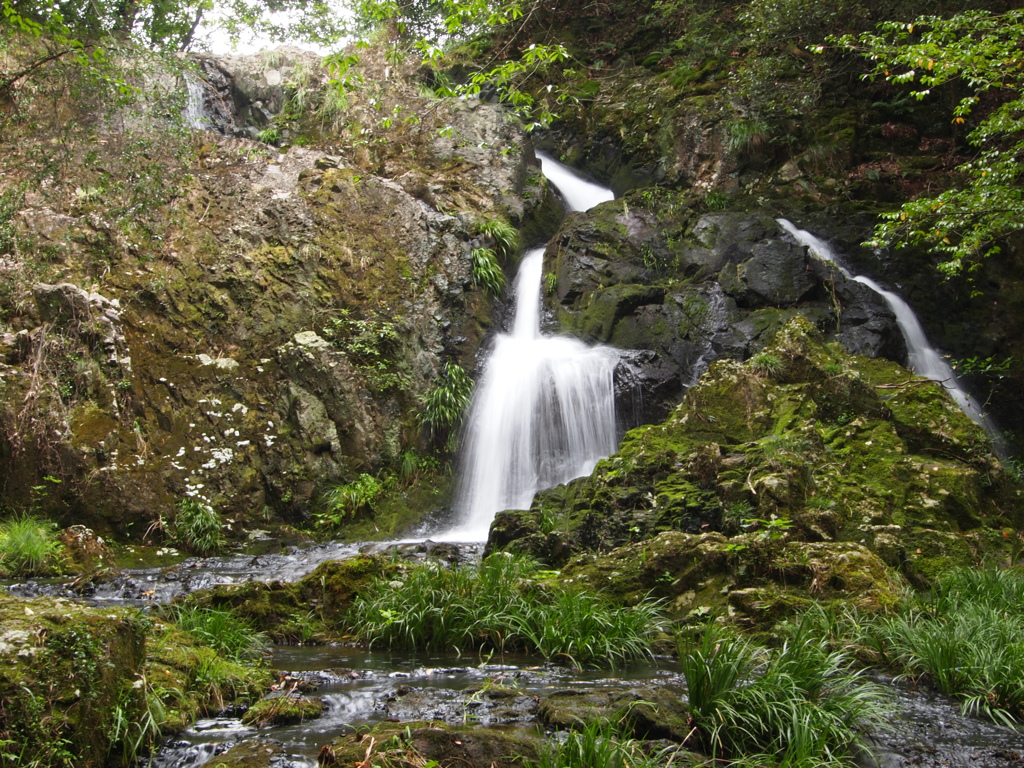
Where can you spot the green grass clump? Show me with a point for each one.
(343, 501)
(229, 635)
(446, 403)
(28, 546)
(500, 605)
(596, 745)
(503, 236)
(197, 528)
(767, 364)
(797, 705)
(965, 638)
(487, 272)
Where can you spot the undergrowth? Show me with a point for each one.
(501, 605)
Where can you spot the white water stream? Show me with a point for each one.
(544, 410)
(922, 358)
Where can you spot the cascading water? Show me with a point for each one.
(195, 110)
(923, 358)
(544, 411)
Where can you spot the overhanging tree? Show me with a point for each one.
(982, 54)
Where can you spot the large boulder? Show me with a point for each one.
(803, 452)
(649, 274)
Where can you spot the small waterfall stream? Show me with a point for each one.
(544, 410)
(194, 114)
(923, 358)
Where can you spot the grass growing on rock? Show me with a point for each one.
(963, 637)
(231, 636)
(796, 705)
(28, 546)
(501, 605)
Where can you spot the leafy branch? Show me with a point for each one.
(983, 52)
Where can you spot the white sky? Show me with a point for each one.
(210, 36)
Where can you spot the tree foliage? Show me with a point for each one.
(981, 55)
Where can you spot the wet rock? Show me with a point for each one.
(482, 705)
(648, 274)
(472, 747)
(283, 708)
(644, 712)
(256, 753)
(84, 548)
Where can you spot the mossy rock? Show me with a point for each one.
(803, 444)
(75, 681)
(248, 754)
(645, 712)
(65, 671)
(750, 578)
(283, 708)
(309, 610)
(472, 747)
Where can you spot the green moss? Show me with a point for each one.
(392, 744)
(90, 687)
(820, 449)
(312, 609)
(283, 709)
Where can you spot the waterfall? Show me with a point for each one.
(544, 410)
(195, 110)
(922, 358)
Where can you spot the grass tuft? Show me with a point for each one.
(503, 236)
(500, 605)
(197, 528)
(797, 705)
(487, 272)
(28, 546)
(232, 637)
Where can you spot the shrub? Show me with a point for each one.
(197, 528)
(28, 546)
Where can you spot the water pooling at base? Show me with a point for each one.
(922, 358)
(544, 411)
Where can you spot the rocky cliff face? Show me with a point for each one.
(678, 286)
(193, 315)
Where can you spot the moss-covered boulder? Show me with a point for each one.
(248, 754)
(309, 610)
(803, 453)
(474, 747)
(87, 686)
(644, 712)
(283, 708)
